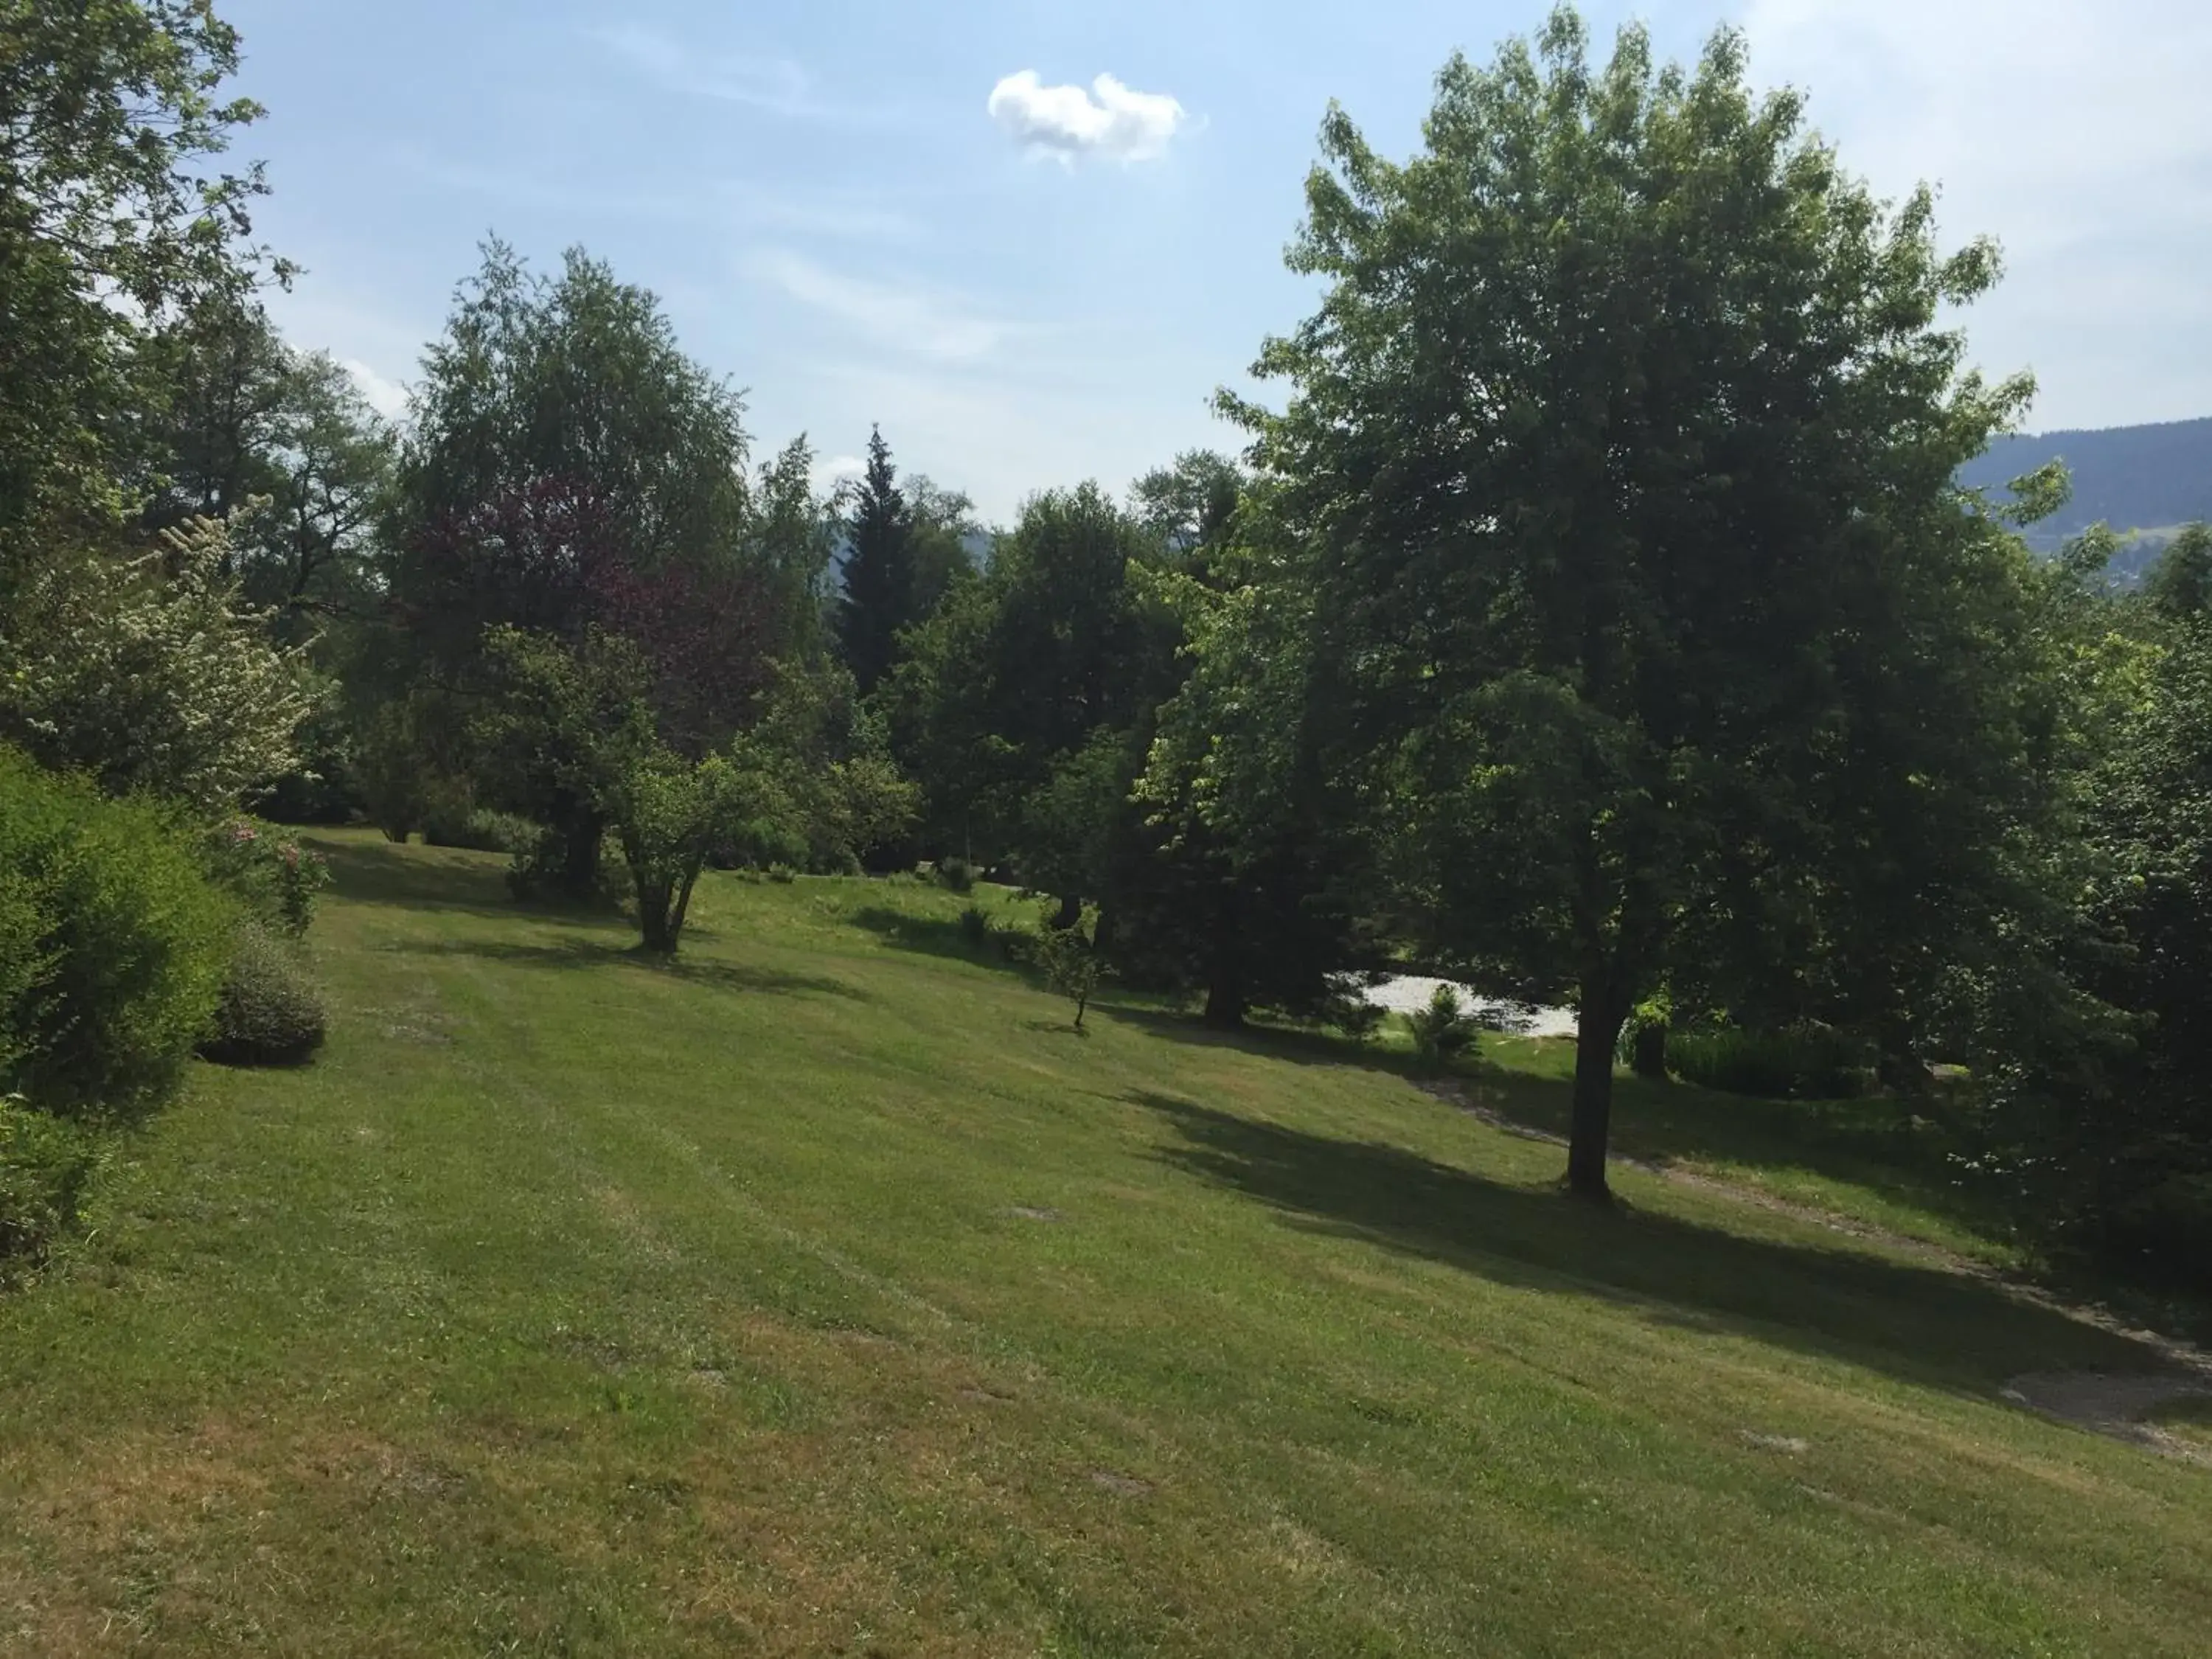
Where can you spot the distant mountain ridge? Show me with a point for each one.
(2149, 478)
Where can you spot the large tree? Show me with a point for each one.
(1188, 504)
(1622, 447)
(569, 468)
(943, 526)
(1010, 681)
(237, 424)
(2092, 1083)
(1255, 878)
(577, 378)
(112, 118)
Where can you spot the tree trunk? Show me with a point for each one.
(579, 875)
(682, 905)
(1597, 1033)
(1225, 976)
(653, 900)
(1896, 1066)
(1647, 1052)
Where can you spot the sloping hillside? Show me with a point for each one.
(824, 1292)
(2150, 478)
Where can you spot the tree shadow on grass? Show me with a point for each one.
(1877, 1143)
(1917, 1324)
(439, 878)
(589, 954)
(383, 872)
(1881, 1143)
(935, 936)
(1300, 1045)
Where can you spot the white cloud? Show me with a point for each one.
(831, 470)
(1107, 120)
(2075, 131)
(386, 397)
(911, 317)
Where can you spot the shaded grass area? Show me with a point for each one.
(1914, 1321)
(1882, 1159)
(825, 1295)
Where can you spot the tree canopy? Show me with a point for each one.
(1621, 451)
(1624, 602)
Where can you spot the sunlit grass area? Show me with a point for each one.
(825, 1292)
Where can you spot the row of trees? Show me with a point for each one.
(1596, 614)
(178, 491)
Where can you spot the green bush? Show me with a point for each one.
(45, 1164)
(118, 942)
(1443, 1030)
(24, 963)
(1642, 1046)
(1812, 1063)
(270, 1013)
(956, 873)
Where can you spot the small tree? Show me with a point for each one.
(1070, 964)
(1443, 1030)
(669, 816)
(565, 727)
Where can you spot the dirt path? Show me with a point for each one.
(2118, 1404)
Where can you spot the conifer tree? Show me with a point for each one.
(878, 576)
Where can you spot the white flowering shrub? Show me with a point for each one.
(152, 674)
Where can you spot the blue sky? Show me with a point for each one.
(942, 219)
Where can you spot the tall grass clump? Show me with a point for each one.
(45, 1164)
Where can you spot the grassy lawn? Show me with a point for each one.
(826, 1294)
(2189, 1421)
(1867, 1161)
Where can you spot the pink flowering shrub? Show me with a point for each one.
(277, 878)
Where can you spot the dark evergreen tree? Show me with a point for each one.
(878, 576)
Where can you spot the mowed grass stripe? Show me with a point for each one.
(826, 1294)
